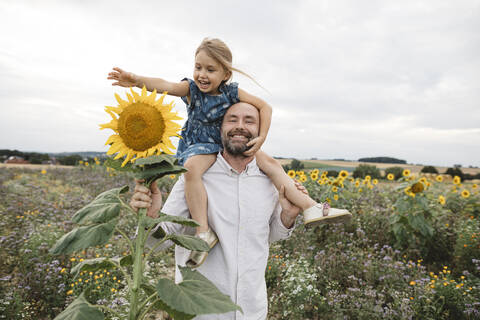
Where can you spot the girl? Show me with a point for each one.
(208, 95)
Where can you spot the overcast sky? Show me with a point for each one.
(346, 79)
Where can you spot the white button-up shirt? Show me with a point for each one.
(244, 212)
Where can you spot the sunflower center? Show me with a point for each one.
(141, 126)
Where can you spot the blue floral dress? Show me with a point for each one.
(201, 132)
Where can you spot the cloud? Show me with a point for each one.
(346, 79)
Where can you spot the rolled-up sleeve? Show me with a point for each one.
(277, 230)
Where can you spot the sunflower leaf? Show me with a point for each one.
(105, 207)
(153, 160)
(189, 242)
(126, 261)
(163, 169)
(84, 237)
(160, 305)
(116, 164)
(169, 218)
(94, 264)
(80, 309)
(195, 295)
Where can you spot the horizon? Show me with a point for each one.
(289, 157)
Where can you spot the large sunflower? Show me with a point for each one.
(143, 126)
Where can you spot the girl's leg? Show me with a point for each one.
(195, 192)
(313, 213)
(275, 172)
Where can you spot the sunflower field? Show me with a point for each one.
(411, 251)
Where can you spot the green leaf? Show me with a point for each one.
(169, 218)
(95, 264)
(189, 242)
(84, 237)
(80, 309)
(117, 165)
(126, 261)
(158, 172)
(160, 305)
(105, 207)
(195, 295)
(157, 159)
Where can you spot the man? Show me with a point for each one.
(245, 211)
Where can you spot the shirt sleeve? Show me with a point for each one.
(277, 230)
(175, 205)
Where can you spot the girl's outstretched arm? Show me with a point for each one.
(128, 79)
(265, 119)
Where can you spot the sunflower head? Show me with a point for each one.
(143, 126)
(465, 193)
(291, 173)
(457, 180)
(390, 176)
(441, 199)
(417, 187)
(406, 173)
(439, 178)
(343, 174)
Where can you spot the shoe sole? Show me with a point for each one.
(329, 219)
(193, 265)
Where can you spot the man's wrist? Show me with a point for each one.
(288, 220)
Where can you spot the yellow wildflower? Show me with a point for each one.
(457, 180)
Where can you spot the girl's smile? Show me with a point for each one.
(208, 73)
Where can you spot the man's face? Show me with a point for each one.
(240, 125)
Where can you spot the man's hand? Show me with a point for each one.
(123, 78)
(254, 145)
(147, 198)
(289, 210)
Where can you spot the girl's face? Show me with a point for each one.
(208, 73)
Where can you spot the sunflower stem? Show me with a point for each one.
(137, 265)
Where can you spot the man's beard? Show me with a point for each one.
(236, 149)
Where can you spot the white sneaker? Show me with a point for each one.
(323, 213)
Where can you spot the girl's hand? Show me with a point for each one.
(255, 144)
(123, 78)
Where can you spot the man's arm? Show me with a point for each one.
(282, 224)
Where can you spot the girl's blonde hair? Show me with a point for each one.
(218, 50)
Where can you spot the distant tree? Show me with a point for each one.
(429, 169)
(382, 160)
(455, 172)
(294, 165)
(364, 169)
(396, 171)
(71, 160)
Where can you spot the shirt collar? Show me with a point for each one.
(251, 167)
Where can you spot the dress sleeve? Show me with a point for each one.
(231, 90)
(193, 92)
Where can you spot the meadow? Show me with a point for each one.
(411, 251)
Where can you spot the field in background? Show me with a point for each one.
(351, 165)
(309, 164)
